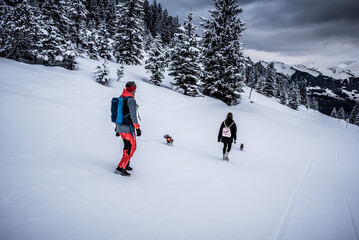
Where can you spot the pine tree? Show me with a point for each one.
(259, 74)
(93, 18)
(270, 84)
(314, 103)
(354, 113)
(250, 75)
(128, 39)
(147, 14)
(184, 65)
(110, 10)
(156, 62)
(102, 74)
(309, 103)
(306, 101)
(303, 93)
(158, 23)
(294, 96)
(334, 113)
(341, 113)
(57, 49)
(103, 43)
(356, 121)
(223, 59)
(56, 12)
(120, 73)
(20, 27)
(91, 44)
(147, 40)
(283, 95)
(78, 15)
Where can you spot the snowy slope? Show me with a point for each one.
(296, 178)
(284, 68)
(337, 72)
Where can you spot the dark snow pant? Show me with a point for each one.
(227, 147)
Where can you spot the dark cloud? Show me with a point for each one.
(290, 27)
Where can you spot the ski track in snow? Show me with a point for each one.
(282, 225)
(340, 206)
(349, 211)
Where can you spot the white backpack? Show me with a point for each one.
(226, 132)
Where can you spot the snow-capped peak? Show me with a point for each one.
(283, 68)
(302, 68)
(337, 72)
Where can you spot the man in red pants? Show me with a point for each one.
(128, 127)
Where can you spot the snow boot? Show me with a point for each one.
(128, 168)
(225, 156)
(122, 172)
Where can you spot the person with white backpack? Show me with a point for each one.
(227, 133)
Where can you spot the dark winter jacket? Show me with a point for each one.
(233, 128)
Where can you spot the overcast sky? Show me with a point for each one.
(318, 33)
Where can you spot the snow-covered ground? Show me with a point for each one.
(297, 177)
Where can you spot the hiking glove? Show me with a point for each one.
(138, 132)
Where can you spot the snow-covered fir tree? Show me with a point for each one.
(259, 75)
(293, 96)
(159, 22)
(56, 51)
(283, 95)
(184, 65)
(57, 48)
(54, 32)
(102, 74)
(314, 104)
(354, 113)
(334, 113)
(341, 114)
(120, 73)
(147, 40)
(110, 19)
(33, 33)
(250, 74)
(223, 59)
(17, 31)
(270, 83)
(309, 103)
(156, 62)
(78, 15)
(356, 121)
(128, 39)
(57, 12)
(20, 32)
(103, 43)
(91, 45)
(303, 93)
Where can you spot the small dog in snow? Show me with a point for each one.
(169, 139)
(241, 146)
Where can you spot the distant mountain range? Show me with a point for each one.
(333, 87)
